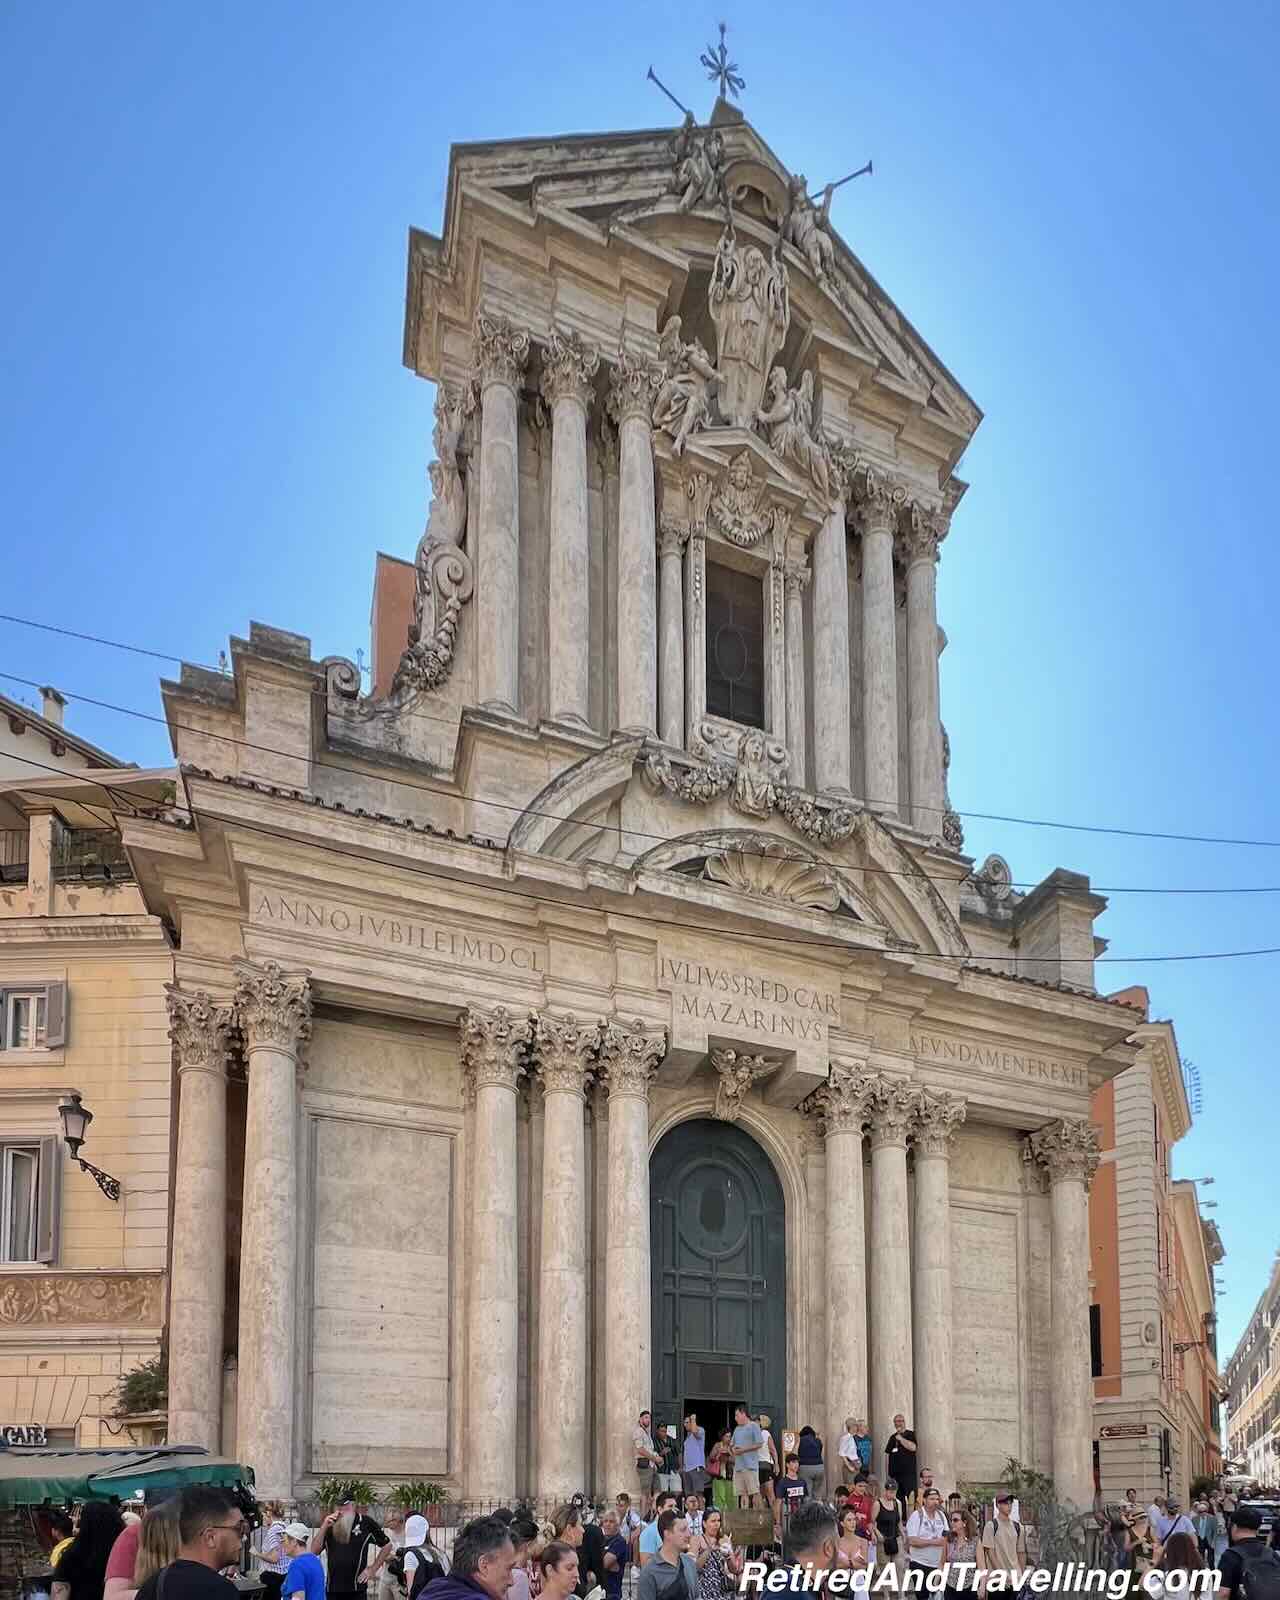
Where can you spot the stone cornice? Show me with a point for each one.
(200, 1030)
(273, 1006)
(630, 1057)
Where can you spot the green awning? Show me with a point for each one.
(30, 1477)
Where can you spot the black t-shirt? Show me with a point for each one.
(188, 1580)
(902, 1463)
(591, 1554)
(790, 1490)
(347, 1561)
(1231, 1567)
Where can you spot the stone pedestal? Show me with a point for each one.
(877, 519)
(629, 1060)
(494, 1047)
(842, 1105)
(938, 1117)
(795, 576)
(892, 1106)
(1068, 1151)
(501, 352)
(568, 369)
(831, 767)
(564, 1051)
(631, 400)
(924, 727)
(197, 1276)
(274, 1010)
(671, 621)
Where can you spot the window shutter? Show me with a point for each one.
(4, 1019)
(55, 1016)
(48, 1206)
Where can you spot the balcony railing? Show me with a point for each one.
(14, 847)
(89, 855)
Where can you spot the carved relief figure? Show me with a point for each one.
(738, 1073)
(753, 789)
(683, 403)
(787, 418)
(698, 178)
(807, 227)
(751, 307)
(739, 508)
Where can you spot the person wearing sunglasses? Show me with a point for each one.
(210, 1531)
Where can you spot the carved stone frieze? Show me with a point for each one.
(1066, 1149)
(494, 1049)
(563, 1053)
(501, 351)
(778, 872)
(273, 1006)
(633, 386)
(750, 304)
(759, 765)
(630, 1057)
(114, 1299)
(569, 366)
(200, 1030)
(737, 1074)
(938, 1115)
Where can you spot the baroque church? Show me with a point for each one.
(602, 1013)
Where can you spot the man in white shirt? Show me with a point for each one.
(847, 1450)
(927, 1534)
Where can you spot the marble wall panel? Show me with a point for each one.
(986, 1339)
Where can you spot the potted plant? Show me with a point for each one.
(420, 1495)
(337, 1491)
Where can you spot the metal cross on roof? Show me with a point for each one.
(716, 60)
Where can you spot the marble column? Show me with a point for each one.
(794, 576)
(501, 352)
(924, 532)
(843, 1106)
(1068, 1152)
(274, 1011)
(877, 521)
(564, 1051)
(892, 1107)
(674, 535)
(568, 368)
(937, 1119)
(631, 400)
(831, 765)
(494, 1052)
(199, 1031)
(629, 1059)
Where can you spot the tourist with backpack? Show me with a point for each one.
(1249, 1569)
(419, 1561)
(1004, 1544)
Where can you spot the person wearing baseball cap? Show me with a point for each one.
(304, 1576)
(1004, 1545)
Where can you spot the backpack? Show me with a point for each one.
(429, 1566)
(1260, 1579)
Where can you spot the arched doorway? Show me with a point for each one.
(718, 1248)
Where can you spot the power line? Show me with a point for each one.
(603, 827)
(975, 816)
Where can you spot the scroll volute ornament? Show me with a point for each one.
(501, 351)
(495, 1048)
(1067, 1148)
(937, 1118)
(844, 1101)
(630, 1057)
(880, 501)
(273, 1006)
(200, 1030)
(924, 530)
(569, 366)
(564, 1053)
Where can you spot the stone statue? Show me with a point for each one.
(738, 1073)
(787, 419)
(698, 178)
(753, 789)
(807, 226)
(750, 305)
(683, 402)
(447, 515)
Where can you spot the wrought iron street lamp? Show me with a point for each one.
(76, 1118)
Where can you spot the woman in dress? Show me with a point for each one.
(852, 1548)
(558, 1565)
(82, 1568)
(888, 1514)
(713, 1553)
(962, 1549)
(720, 1466)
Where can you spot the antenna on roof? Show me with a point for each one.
(1191, 1079)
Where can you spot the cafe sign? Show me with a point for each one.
(23, 1433)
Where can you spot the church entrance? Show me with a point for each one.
(718, 1244)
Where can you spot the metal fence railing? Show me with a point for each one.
(89, 855)
(15, 845)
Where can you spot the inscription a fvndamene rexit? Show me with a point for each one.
(429, 938)
(1040, 1068)
(749, 1000)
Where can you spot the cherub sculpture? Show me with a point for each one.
(683, 401)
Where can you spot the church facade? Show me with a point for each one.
(603, 1012)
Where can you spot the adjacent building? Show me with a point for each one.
(1253, 1390)
(83, 968)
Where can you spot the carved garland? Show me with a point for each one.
(112, 1299)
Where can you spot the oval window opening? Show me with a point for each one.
(711, 1210)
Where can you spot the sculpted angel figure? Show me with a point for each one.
(683, 401)
(807, 227)
(698, 177)
(737, 1074)
(787, 418)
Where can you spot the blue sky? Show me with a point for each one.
(205, 418)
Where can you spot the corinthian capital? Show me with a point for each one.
(494, 1046)
(568, 366)
(564, 1052)
(922, 532)
(501, 351)
(937, 1117)
(844, 1101)
(880, 502)
(893, 1106)
(632, 387)
(796, 577)
(630, 1058)
(274, 1006)
(198, 1028)
(1067, 1148)
(673, 534)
